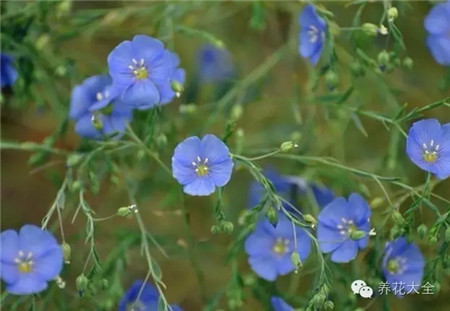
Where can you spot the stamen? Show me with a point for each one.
(134, 61)
(21, 254)
(199, 159)
(432, 143)
(424, 146)
(436, 148)
(131, 67)
(142, 62)
(99, 96)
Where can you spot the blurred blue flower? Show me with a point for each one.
(96, 102)
(312, 34)
(279, 304)
(338, 221)
(29, 260)
(269, 248)
(403, 263)
(201, 165)
(437, 23)
(148, 301)
(428, 146)
(144, 70)
(290, 188)
(215, 65)
(7, 70)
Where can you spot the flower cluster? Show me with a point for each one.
(29, 259)
(141, 76)
(142, 297)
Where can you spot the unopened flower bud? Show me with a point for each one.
(370, 29)
(75, 186)
(74, 159)
(81, 283)
(398, 218)
(377, 202)
(328, 305)
(310, 219)
(318, 300)
(188, 109)
(356, 69)
(433, 239)
(215, 229)
(177, 87)
(296, 260)
(422, 231)
(447, 235)
(357, 235)
(236, 112)
(161, 140)
(66, 252)
(272, 215)
(227, 227)
(392, 13)
(287, 145)
(104, 284)
(124, 211)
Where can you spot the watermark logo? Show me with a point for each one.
(360, 287)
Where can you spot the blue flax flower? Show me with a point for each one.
(437, 23)
(202, 165)
(290, 188)
(337, 221)
(312, 34)
(144, 70)
(279, 304)
(428, 146)
(403, 264)
(215, 65)
(269, 248)
(7, 70)
(148, 301)
(29, 259)
(96, 102)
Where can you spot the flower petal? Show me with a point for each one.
(201, 186)
(221, 172)
(438, 19)
(9, 246)
(37, 241)
(214, 149)
(9, 273)
(345, 252)
(279, 304)
(329, 239)
(187, 151)
(439, 46)
(332, 214)
(360, 210)
(259, 243)
(264, 266)
(49, 265)
(27, 284)
(142, 94)
(182, 173)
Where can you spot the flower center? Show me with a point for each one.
(281, 246)
(200, 166)
(430, 152)
(24, 262)
(139, 70)
(396, 265)
(346, 227)
(313, 33)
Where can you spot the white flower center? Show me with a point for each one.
(313, 33)
(201, 167)
(138, 69)
(346, 227)
(397, 265)
(430, 152)
(281, 246)
(24, 262)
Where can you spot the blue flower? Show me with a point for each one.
(202, 165)
(215, 65)
(148, 301)
(403, 264)
(337, 222)
(29, 260)
(279, 304)
(7, 70)
(290, 188)
(428, 146)
(437, 23)
(144, 70)
(95, 101)
(312, 34)
(269, 248)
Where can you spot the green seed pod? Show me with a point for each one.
(370, 29)
(124, 211)
(356, 69)
(272, 215)
(236, 112)
(96, 122)
(177, 87)
(66, 252)
(331, 79)
(287, 146)
(392, 13)
(310, 219)
(318, 300)
(227, 227)
(215, 229)
(74, 159)
(383, 58)
(422, 231)
(75, 186)
(408, 63)
(81, 283)
(377, 202)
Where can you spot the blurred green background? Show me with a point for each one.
(72, 42)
